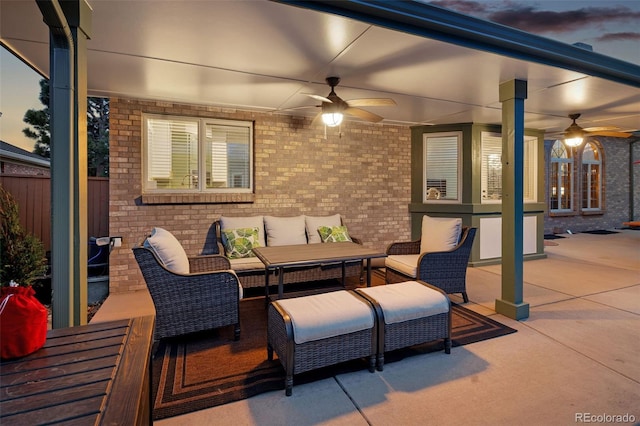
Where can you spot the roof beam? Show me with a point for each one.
(452, 27)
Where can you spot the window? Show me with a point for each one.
(560, 179)
(591, 178)
(442, 166)
(491, 167)
(194, 155)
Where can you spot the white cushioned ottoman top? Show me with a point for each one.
(327, 315)
(407, 301)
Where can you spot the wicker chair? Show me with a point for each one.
(206, 298)
(446, 270)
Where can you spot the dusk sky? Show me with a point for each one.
(610, 27)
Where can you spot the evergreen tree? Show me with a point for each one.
(97, 131)
(98, 136)
(40, 120)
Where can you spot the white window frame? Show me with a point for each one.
(458, 185)
(590, 164)
(198, 180)
(557, 162)
(530, 169)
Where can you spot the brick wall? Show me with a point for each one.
(636, 179)
(615, 189)
(363, 175)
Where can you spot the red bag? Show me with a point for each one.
(23, 322)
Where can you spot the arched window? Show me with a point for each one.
(560, 179)
(591, 177)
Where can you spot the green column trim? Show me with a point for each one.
(512, 96)
(69, 26)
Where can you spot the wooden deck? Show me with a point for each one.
(87, 375)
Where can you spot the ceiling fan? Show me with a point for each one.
(574, 134)
(333, 107)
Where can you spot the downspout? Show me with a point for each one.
(631, 182)
(62, 158)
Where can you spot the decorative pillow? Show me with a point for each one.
(169, 250)
(284, 231)
(333, 234)
(227, 222)
(440, 233)
(239, 242)
(314, 222)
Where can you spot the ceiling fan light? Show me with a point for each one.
(332, 119)
(573, 141)
(573, 135)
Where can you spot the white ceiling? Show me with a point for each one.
(264, 55)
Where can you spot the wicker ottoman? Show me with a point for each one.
(409, 313)
(316, 331)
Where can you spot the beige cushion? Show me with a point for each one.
(284, 231)
(407, 301)
(227, 222)
(327, 315)
(169, 250)
(312, 224)
(406, 264)
(439, 233)
(246, 264)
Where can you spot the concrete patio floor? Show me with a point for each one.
(574, 360)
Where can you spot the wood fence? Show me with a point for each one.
(33, 194)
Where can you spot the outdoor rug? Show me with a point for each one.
(209, 369)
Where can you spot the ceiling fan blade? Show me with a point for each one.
(300, 107)
(317, 119)
(611, 134)
(365, 115)
(318, 97)
(371, 102)
(601, 129)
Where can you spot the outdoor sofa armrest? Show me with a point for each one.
(404, 247)
(356, 240)
(208, 263)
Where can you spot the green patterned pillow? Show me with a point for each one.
(239, 242)
(333, 234)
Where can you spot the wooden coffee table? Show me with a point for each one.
(279, 258)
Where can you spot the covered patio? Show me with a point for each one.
(202, 54)
(574, 357)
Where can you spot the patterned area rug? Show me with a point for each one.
(210, 369)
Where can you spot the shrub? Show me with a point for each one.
(22, 256)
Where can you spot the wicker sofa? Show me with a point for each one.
(278, 230)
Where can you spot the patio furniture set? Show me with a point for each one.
(325, 329)
(309, 332)
(274, 231)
